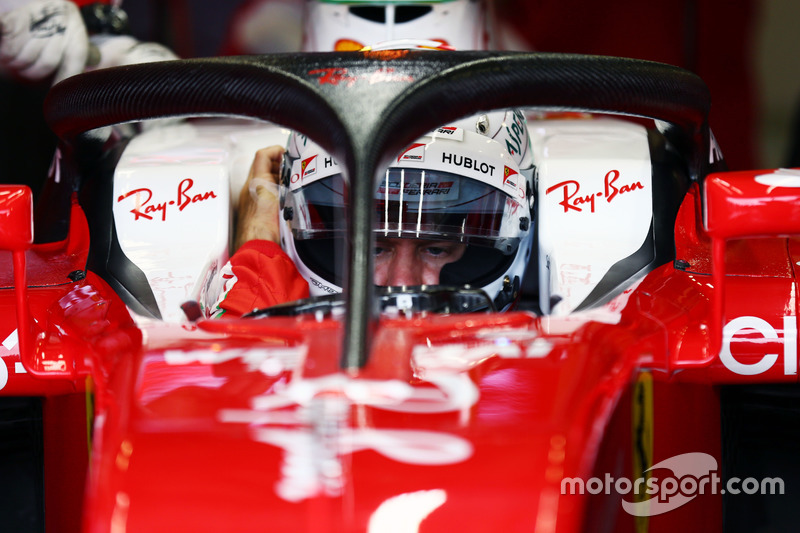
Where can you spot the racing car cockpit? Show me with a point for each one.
(172, 194)
(605, 192)
(608, 190)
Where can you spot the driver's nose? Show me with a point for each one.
(401, 267)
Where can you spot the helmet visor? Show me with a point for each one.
(414, 204)
(417, 204)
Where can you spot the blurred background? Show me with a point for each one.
(746, 51)
(776, 55)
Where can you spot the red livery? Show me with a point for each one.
(660, 400)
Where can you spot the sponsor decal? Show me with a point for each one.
(571, 274)
(342, 76)
(3, 373)
(301, 140)
(326, 288)
(415, 152)
(387, 75)
(9, 358)
(311, 421)
(763, 328)
(468, 163)
(512, 206)
(146, 208)
(308, 167)
(451, 133)
(411, 508)
(574, 201)
(347, 45)
(516, 138)
(509, 178)
(782, 177)
(439, 190)
(334, 76)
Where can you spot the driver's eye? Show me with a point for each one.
(435, 250)
(379, 250)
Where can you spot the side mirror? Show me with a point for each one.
(16, 236)
(16, 218)
(45, 355)
(747, 204)
(752, 204)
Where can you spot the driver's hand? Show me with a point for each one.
(120, 50)
(257, 216)
(44, 37)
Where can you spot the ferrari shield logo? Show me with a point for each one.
(415, 152)
(308, 167)
(508, 177)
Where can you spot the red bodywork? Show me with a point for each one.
(457, 423)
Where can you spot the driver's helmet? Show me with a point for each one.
(344, 25)
(470, 182)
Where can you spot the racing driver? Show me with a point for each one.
(453, 209)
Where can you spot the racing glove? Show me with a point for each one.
(119, 50)
(42, 38)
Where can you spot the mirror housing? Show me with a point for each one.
(749, 204)
(741, 205)
(16, 218)
(16, 236)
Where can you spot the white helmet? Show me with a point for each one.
(344, 25)
(470, 182)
